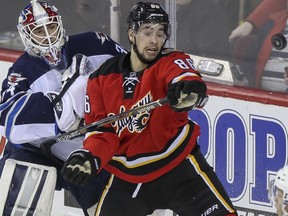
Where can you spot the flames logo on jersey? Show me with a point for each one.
(134, 123)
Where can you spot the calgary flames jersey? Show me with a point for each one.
(145, 146)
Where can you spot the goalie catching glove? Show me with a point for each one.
(186, 95)
(80, 167)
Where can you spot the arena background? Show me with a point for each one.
(243, 129)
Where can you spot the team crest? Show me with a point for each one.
(134, 123)
(15, 78)
(103, 37)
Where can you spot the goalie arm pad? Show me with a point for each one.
(70, 109)
(69, 103)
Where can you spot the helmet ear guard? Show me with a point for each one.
(38, 15)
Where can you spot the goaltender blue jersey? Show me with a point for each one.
(26, 114)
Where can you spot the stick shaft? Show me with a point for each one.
(46, 145)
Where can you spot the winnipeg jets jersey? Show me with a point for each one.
(141, 147)
(26, 114)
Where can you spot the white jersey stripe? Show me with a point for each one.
(150, 159)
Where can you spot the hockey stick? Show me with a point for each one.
(46, 145)
(70, 81)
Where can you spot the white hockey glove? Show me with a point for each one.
(186, 95)
(80, 167)
(70, 109)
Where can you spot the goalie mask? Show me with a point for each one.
(278, 191)
(41, 30)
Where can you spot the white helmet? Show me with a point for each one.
(280, 182)
(40, 15)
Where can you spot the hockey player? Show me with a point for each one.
(278, 192)
(28, 112)
(154, 156)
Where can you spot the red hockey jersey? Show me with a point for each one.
(145, 146)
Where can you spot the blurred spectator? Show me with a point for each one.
(263, 65)
(94, 15)
(79, 16)
(8, 10)
(202, 28)
(231, 10)
(85, 15)
(237, 10)
(9, 37)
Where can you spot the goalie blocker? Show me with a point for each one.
(26, 189)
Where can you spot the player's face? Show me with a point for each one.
(279, 202)
(150, 38)
(42, 35)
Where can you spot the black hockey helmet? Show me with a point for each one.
(148, 12)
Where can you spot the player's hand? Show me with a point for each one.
(185, 95)
(80, 167)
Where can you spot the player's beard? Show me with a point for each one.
(141, 57)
